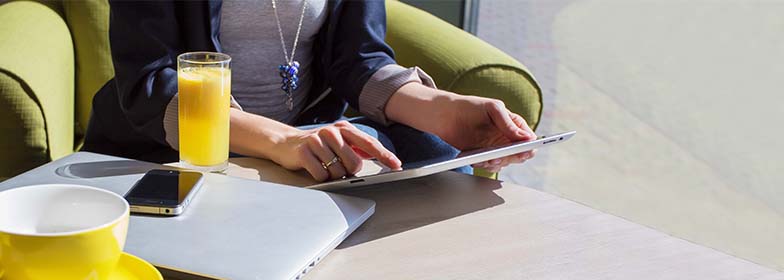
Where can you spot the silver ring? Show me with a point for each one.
(326, 165)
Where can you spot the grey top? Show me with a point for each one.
(249, 34)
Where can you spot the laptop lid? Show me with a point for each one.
(233, 229)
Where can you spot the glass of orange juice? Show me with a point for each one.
(204, 84)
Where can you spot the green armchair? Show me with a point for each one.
(55, 55)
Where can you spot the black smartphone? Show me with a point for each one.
(164, 192)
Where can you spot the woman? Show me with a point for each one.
(342, 60)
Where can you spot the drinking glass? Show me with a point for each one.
(204, 84)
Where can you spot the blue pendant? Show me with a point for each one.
(289, 82)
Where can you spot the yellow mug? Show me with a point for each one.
(61, 231)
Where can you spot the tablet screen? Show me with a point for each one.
(464, 154)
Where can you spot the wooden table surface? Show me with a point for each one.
(455, 226)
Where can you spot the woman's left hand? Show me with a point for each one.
(465, 122)
(473, 122)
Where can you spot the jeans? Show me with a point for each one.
(414, 148)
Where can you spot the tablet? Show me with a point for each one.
(420, 169)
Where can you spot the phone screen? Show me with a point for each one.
(163, 187)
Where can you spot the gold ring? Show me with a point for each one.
(326, 165)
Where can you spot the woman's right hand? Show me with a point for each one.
(314, 148)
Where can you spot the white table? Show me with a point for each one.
(455, 226)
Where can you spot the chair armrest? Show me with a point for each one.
(460, 62)
(38, 70)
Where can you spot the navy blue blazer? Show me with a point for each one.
(147, 36)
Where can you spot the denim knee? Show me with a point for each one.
(413, 147)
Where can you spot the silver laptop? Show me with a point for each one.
(433, 166)
(233, 229)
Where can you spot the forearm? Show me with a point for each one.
(421, 107)
(257, 136)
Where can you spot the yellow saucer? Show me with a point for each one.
(131, 267)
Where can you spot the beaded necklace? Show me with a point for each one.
(289, 70)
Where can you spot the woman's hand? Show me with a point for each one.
(341, 146)
(477, 122)
(294, 149)
(465, 122)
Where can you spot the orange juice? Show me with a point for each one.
(204, 101)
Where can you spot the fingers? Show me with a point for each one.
(362, 154)
(347, 143)
(521, 123)
(495, 165)
(371, 146)
(312, 164)
(334, 140)
(502, 120)
(492, 164)
(324, 154)
(521, 157)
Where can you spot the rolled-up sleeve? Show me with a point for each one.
(383, 84)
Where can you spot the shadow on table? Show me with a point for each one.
(268, 171)
(410, 204)
(107, 168)
(400, 206)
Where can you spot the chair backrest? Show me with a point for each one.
(36, 86)
(88, 21)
